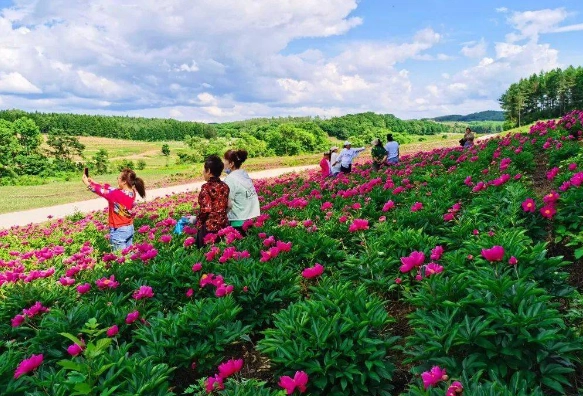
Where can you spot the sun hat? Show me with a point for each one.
(375, 141)
(333, 148)
(346, 143)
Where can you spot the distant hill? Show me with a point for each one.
(490, 115)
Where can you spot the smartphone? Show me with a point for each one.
(86, 171)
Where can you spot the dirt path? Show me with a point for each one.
(40, 215)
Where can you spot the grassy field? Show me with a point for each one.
(157, 174)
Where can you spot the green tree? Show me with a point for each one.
(8, 149)
(100, 162)
(165, 150)
(28, 134)
(64, 147)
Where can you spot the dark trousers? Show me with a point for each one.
(346, 170)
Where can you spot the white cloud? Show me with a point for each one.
(475, 50)
(502, 9)
(15, 83)
(530, 24)
(193, 67)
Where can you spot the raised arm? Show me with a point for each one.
(96, 188)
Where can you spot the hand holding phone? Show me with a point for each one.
(86, 172)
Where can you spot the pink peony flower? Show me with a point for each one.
(132, 317)
(358, 225)
(230, 367)
(548, 212)
(432, 269)
(74, 349)
(112, 331)
(213, 383)
(17, 320)
(436, 253)
(66, 281)
(495, 253)
(454, 389)
(382, 219)
(551, 198)
(105, 283)
(223, 290)
(166, 238)
(143, 292)
(188, 242)
(416, 207)
(529, 205)
(343, 219)
(313, 272)
(398, 281)
(28, 365)
(299, 381)
(415, 259)
(196, 267)
(434, 376)
(512, 261)
(84, 288)
(448, 217)
(189, 293)
(326, 206)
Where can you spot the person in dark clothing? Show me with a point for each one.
(213, 201)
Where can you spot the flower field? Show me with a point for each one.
(457, 271)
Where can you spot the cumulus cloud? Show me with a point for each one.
(15, 83)
(475, 49)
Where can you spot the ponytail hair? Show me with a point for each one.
(237, 157)
(130, 178)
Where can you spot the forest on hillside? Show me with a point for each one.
(543, 96)
(156, 129)
(489, 115)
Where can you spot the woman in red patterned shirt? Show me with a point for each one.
(213, 200)
(121, 201)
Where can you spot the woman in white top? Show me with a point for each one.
(243, 199)
(334, 170)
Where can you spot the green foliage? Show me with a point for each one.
(126, 163)
(141, 164)
(165, 150)
(545, 95)
(198, 332)
(100, 162)
(28, 134)
(243, 387)
(337, 337)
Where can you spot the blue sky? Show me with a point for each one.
(225, 60)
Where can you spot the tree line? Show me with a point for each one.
(543, 96)
(156, 129)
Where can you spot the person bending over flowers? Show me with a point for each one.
(213, 201)
(121, 202)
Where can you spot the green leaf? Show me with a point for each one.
(103, 369)
(76, 377)
(82, 389)
(72, 338)
(551, 383)
(103, 344)
(69, 365)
